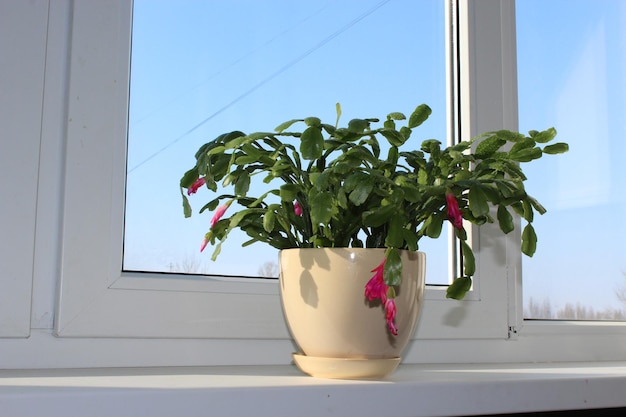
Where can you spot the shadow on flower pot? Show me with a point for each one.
(308, 289)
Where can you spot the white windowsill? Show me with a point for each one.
(413, 390)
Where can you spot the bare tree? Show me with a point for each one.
(570, 311)
(269, 269)
(620, 292)
(189, 265)
(535, 310)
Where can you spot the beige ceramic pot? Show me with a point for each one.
(323, 296)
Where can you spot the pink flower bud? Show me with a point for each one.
(205, 242)
(454, 213)
(219, 213)
(297, 209)
(197, 184)
(376, 287)
(390, 307)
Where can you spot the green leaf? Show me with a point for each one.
(216, 150)
(361, 192)
(419, 115)
(243, 184)
(529, 240)
(321, 207)
(478, 201)
(246, 159)
(432, 146)
(236, 218)
(392, 156)
(522, 144)
(378, 216)
(217, 251)
(545, 136)
(289, 192)
(505, 220)
(342, 199)
(338, 111)
(528, 213)
(422, 177)
(259, 200)
(234, 139)
(312, 143)
(394, 137)
(434, 224)
(269, 219)
(186, 205)
(461, 234)
(469, 262)
(556, 148)
(395, 236)
(355, 179)
(536, 205)
(228, 180)
(281, 127)
(405, 132)
(313, 121)
(253, 137)
(219, 166)
(392, 272)
(389, 124)
(211, 205)
(509, 135)
(189, 178)
(396, 116)
(358, 125)
(488, 147)
(518, 207)
(459, 288)
(323, 180)
(526, 155)
(252, 150)
(330, 129)
(411, 193)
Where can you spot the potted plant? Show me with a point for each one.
(332, 188)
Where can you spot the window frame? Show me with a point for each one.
(225, 315)
(20, 118)
(92, 283)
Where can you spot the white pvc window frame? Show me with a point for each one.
(21, 124)
(96, 300)
(92, 281)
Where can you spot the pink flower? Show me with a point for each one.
(454, 213)
(194, 187)
(297, 209)
(390, 307)
(376, 287)
(205, 242)
(219, 213)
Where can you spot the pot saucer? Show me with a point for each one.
(345, 368)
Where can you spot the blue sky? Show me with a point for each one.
(201, 68)
(209, 67)
(571, 76)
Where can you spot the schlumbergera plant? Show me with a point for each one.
(331, 186)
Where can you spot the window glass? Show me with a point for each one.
(571, 63)
(202, 68)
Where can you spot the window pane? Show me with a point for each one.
(201, 68)
(571, 60)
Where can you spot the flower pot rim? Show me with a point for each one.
(349, 249)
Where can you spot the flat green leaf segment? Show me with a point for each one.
(393, 268)
(336, 189)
